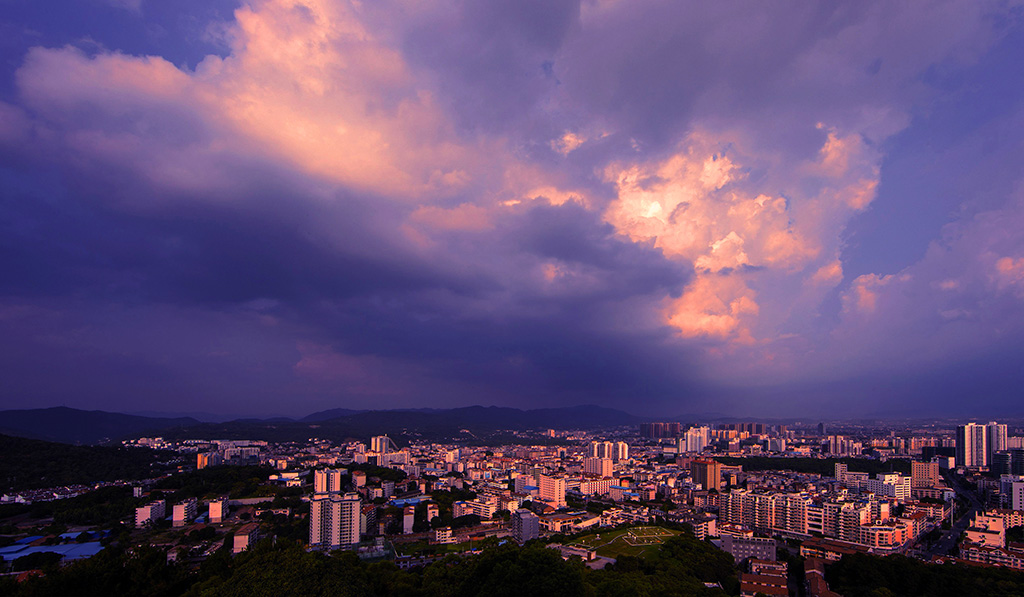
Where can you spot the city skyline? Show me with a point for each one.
(287, 206)
(744, 499)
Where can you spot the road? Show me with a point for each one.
(945, 545)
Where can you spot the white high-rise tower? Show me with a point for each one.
(971, 445)
(334, 520)
(995, 437)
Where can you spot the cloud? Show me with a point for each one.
(1010, 273)
(129, 5)
(862, 297)
(714, 203)
(307, 83)
(961, 300)
(480, 203)
(463, 217)
(568, 143)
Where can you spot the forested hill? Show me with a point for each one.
(33, 464)
(62, 424)
(90, 427)
(436, 425)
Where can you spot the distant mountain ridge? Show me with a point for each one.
(70, 425)
(327, 415)
(73, 426)
(425, 424)
(492, 418)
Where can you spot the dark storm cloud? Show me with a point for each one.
(334, 270)
(493, 58)
(493, 203)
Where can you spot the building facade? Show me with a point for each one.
(971, 445)
(708, 473)
(525, 526)
(334, 520)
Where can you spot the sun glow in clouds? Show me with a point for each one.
(700, 205)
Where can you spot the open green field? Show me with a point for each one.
(639, 541)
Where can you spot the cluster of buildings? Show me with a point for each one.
(671, 471)
(229, 452)
(50, 494)
(986, 540)
(182, 513)
(500, 482)
(853, 507)
(235, 516)
(676, 468)
(534, 486)
(980, 447)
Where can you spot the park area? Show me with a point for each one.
(637, 541)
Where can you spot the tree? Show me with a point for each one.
(36, 561)
(469, 520)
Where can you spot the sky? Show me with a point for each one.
(261, 207)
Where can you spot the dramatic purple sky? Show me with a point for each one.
(282, 206)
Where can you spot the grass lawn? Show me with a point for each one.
(640, 541)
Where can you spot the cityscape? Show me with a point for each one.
(783, 503)
(511, 298)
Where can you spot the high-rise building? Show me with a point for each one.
(1010, 462)
(217, 509)
(479, 507)
(924, 474)
(381, 444)
(660, 430)
(892, 485)
(695, 439)
(621, 452)
(996, 440)
(602, 467)
(708, 473)
(184, 512)
(205, 459)
(1017, 496)
(552, 490)
(971, 445)
(842, 446)
(741, 548)
(327, 481)
(334, 520)
(522, 482)
(617, 451)
(245, 538)
(525, 526)
(408, 519)
(930, 452)
(601, 449)
(150, 513)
